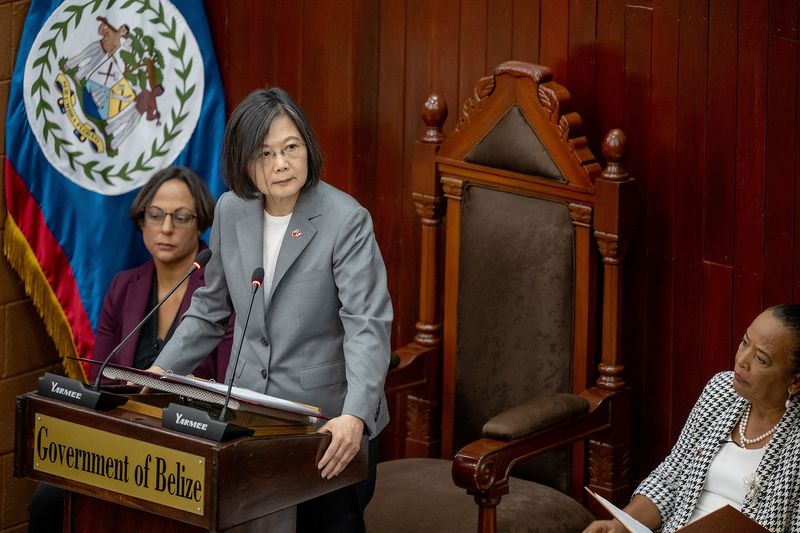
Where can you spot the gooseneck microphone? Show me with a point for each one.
(256, 280)
(199, 262)
(193, 421)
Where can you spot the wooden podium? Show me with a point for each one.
(121, 467)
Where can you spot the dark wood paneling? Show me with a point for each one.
(751, 127)
(706, 91)
(608, 99)
(472, 50)
(499, 32)
(717, 351)
(445, 22)
(690, 162)
(554, 37)
(582, 63)
(718, 192)
(525, 31)
(779, 179)
(651, 52)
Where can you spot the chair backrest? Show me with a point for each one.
(523, 205)
(520, 294)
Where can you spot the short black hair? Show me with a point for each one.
(245, 133)
(204, 202)
(789, 316)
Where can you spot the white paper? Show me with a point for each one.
(630, 523)
(247, 395)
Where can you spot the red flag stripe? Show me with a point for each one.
(28, 216)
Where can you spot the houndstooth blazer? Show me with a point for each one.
(675, 485)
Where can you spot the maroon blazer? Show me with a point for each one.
(125, 305)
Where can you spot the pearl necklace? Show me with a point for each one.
(743, 427)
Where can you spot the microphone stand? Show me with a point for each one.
(73, 391)
(192, 421)
(116, 350)
(258, 278)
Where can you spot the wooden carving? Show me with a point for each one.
(420, 418)
(453, 187)
(609, 465)
(429, 208)
(484, 88)
(581, 215)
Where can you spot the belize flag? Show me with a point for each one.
(104, 93)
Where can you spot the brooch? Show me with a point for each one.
(296, 234)
(752, 483)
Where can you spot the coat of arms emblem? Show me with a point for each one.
(113, 90)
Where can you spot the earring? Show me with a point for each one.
(788, 401)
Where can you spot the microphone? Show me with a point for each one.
(199, 262)
(197, 422)
(255, 280)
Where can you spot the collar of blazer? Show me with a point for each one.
(250, 233)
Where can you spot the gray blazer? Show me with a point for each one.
(324, 338)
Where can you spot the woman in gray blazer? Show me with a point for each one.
(320, 334)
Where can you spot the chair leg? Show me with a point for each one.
(487, 513)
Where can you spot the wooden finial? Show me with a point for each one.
(615, 146)
(434, 113)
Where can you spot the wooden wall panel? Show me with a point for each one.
(690, 162)
(554, 36)
(610, 69)
(796, 225)
(651, 52)
(499, 31)
(445, 67)
(285, 51)
(390, 169)
(472, 50)
(525, 31)
(780, 169)
(718, 192)
(748, 260)
(581, 72)
(718, 188)
(706, 91)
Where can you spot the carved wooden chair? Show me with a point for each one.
(515, 303)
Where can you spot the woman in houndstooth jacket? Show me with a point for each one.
(741, 444)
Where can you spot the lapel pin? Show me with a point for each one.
(296, 234)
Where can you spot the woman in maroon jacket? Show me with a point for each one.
(172, 209)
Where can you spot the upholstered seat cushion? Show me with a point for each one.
(419, 495)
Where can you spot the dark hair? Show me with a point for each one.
(789, 316)
(203, 200)
(245, 133)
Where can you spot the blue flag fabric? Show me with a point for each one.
(104, 93)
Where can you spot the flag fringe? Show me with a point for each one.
(22, 259)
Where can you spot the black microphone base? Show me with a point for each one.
(192, 421)
(73, 391)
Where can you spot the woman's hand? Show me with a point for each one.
(155, 370)
(641, 508)
(346, 432)
(605, 526)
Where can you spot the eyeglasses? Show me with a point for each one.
(292, 150)
(181, 218)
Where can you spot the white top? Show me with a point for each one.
(730, 477)
(274, 230)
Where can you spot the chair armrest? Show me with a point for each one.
(484, 465)
(535, 415)
(405, 356)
